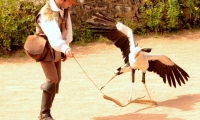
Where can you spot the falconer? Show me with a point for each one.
(53, 22)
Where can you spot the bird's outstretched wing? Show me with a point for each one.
(121, 35)
(167, 70)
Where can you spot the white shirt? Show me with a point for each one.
(52, 30)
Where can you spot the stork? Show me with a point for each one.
(135, 57)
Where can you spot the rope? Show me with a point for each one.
(114, 100)
(88, 76)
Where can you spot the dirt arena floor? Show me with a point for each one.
(79, 98)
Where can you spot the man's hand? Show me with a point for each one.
(68, 53)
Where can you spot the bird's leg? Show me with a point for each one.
(143, 81)
(133, 80)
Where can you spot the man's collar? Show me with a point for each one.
(54, 7)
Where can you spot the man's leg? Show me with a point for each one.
(50, 88)
(58, 68)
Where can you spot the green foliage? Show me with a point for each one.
(190, 12)
(129, 23)
(17, 22)
(172, 14)
(168, 16)
(139, 29)
(157, 16)
(84, 35)
(151, 15)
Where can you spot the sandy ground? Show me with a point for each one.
(79, 98)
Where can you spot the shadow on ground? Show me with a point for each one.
(138, 117)
(184, 103)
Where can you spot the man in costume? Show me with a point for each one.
(53, 22)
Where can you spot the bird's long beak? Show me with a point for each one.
(109, 81)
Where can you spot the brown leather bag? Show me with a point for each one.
(35, 47)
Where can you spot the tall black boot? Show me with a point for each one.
(49, 90)
(46, 106)
(52, 98)
(56, 92)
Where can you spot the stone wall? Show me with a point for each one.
(123, 9)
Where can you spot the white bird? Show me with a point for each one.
(135, 57)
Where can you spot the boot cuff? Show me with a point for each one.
(49, 87)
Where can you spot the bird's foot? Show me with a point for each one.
(145, 101)
(139, 98)
(141, 101)
(130, 99)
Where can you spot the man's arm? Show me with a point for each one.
(53, 33)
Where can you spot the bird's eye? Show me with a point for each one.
(137, 55)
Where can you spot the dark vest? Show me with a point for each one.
(49, 14)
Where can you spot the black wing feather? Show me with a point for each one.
(173, 74)
(106, 27)
(184, 74)
(177, 76)
(163, 72)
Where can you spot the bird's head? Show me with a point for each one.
(137, 51)
(133, 55)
